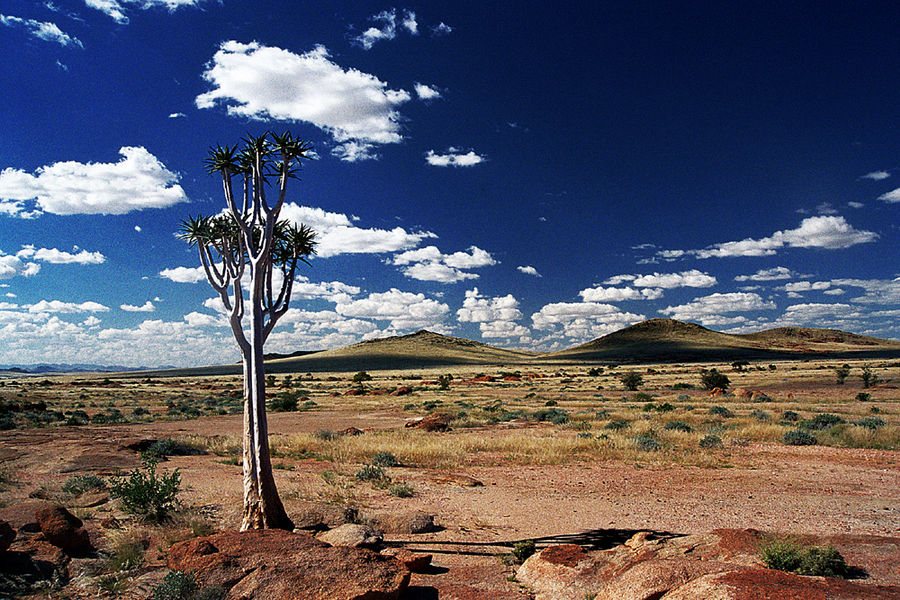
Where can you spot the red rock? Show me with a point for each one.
(63, 529)
(765, 584)
(715, 392)
(355, 392)
(278, 565)
(435, 422)
(379, 392)
(402, 391)
(742, 393)
(416, 563)
(407, 522)
(351, 431)
(453, 479)
(568, 555)
(512, 378)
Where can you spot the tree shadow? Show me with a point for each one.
(593, 539)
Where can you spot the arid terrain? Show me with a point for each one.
(553, 452)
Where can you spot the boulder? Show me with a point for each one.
(351, 535)
(7, 535)
(401, 522)
(351, 431)
(402, 391)
(435, 422)
(63, 529)
(324, 516)
(416, 563)
(355, 392)
(763, 584)
(273, 564)
(742, 393)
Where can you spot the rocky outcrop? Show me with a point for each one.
(722, 565)
(315, 516)
(415, 562)
(64, 530)
(352, 535)
(279, 565)
(435, 422)
(401, 522)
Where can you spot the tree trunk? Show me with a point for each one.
(262, 506)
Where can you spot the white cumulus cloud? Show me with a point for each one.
(614, 294)
(528, 270)
(453, 158)
(57, 306)
(773, 274)
(891, 197)
(116, 8)
(876, 175)
(184, 274)
(260, 82)
(136, 182)
(404, 310)
(708, 310)
(430, 264)
(54, 256)
(145, 307)
(426, 92)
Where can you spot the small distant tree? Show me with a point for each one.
(361, 377)
(868, 376)
(444, 381)
(740, 365)
(632, 380)
(712, 379)
(250, 257)
(842, 373)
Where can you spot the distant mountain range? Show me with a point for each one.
(656, 340)
(41, 368)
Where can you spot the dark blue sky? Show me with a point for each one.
(524, 174)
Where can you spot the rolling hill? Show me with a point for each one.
(670, 340)
(656, 340)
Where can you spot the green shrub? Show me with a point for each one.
(641, 397)
(522, 550)
(760, 415)
(842, 373)
(551, 403)
(683, 386)
(144, 493)
(646, 442)
(863, 397)
(631, 380)
(617, 425)
(78, 417)
(822, 422)
(553, 415)
(711, 379)
(168, 447)
(790, 416)
(872, 423)
(140, 411)
(361, 377)
(308, 405)
(788, 555)
(711, 442)
(176, 586)
(868, 376)
(384, 459)
(678, 426)
(400, 490)
(286, 401)
(798, 437)
(79, 484)
(326, 435)
(721, 411)
(371, 473)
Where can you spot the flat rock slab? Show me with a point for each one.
(280, 565)
(722, 565)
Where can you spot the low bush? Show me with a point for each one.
(617, 425)
(864, 396)
(760, 415)
(872, 423)
(384, 459)
(146, 494)
(400, 490)
(522, 550)
(822, 422)
(642, 397)
(798, 437)
(182, 586)
(711, 442)
(711, 379)
(721, 411)
(790, 416)
(79, 484)
(371, 473)
(678, 426)
(286, 401)
(552, 415)
(818, 561)
(646, 442)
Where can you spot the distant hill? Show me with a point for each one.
(39, 369)
(656, 340)
(671, 340)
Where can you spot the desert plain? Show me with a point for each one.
(544, 451)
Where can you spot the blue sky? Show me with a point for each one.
(516, 173)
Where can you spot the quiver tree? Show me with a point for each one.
(250, 257)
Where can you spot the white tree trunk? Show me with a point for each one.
(262, 506)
